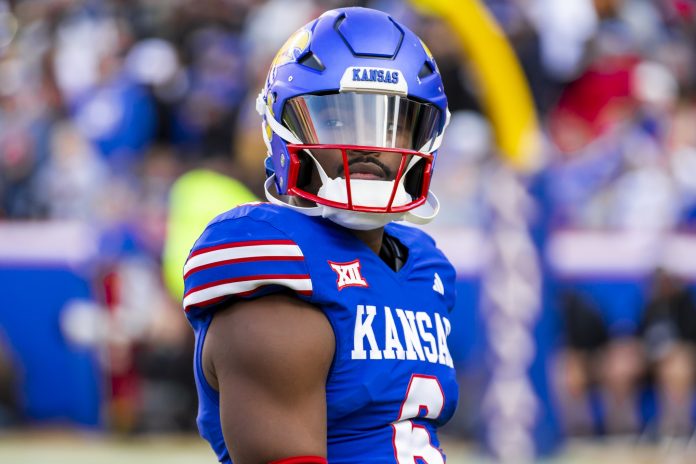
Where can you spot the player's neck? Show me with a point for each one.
(372, 238)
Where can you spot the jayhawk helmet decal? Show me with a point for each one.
(352, 85)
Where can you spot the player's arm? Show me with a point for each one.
(269, 359)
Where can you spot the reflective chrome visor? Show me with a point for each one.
(365, 119)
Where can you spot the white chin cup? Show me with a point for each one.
(364, 192)
(357, 220)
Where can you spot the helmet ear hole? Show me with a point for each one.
(312, 61)
(426, 70)
(413, 182)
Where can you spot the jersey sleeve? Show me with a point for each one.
(450, 285)
(242, 258)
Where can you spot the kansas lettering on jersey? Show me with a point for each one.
(392, 383)
(412, 339)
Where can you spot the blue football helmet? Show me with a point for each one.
(354, 111)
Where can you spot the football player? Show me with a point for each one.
(321, 324)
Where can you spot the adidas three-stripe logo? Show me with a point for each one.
(437, 285)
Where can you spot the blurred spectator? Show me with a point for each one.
(216, 86)
(598, 373)
(621, 370)
(603, 379)
(669, 332)
(564, 30)
(578, 362)
(69, 183)
(615, 174)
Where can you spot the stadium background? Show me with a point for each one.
(122, 120)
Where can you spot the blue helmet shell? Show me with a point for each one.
(315, 58)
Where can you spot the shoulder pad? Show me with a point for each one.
(242, 257)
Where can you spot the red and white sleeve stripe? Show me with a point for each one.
(245, 285)
(229, 253)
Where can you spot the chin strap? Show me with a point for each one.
(415, 216)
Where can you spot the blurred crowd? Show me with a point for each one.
(104, 104)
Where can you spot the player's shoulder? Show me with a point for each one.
(245, 252)
(421, 245)
(408, 230)
(251, 220)
(427, 260)
(261, 212)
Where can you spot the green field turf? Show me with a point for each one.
(57, 447)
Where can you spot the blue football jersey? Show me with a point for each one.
(391, 383)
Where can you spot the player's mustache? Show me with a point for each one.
(367, 158)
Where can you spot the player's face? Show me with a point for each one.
(379, 123)
(344, 126)
(363, 164)
(369, 165)
(367, 120)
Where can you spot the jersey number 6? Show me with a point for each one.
(425, 399)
